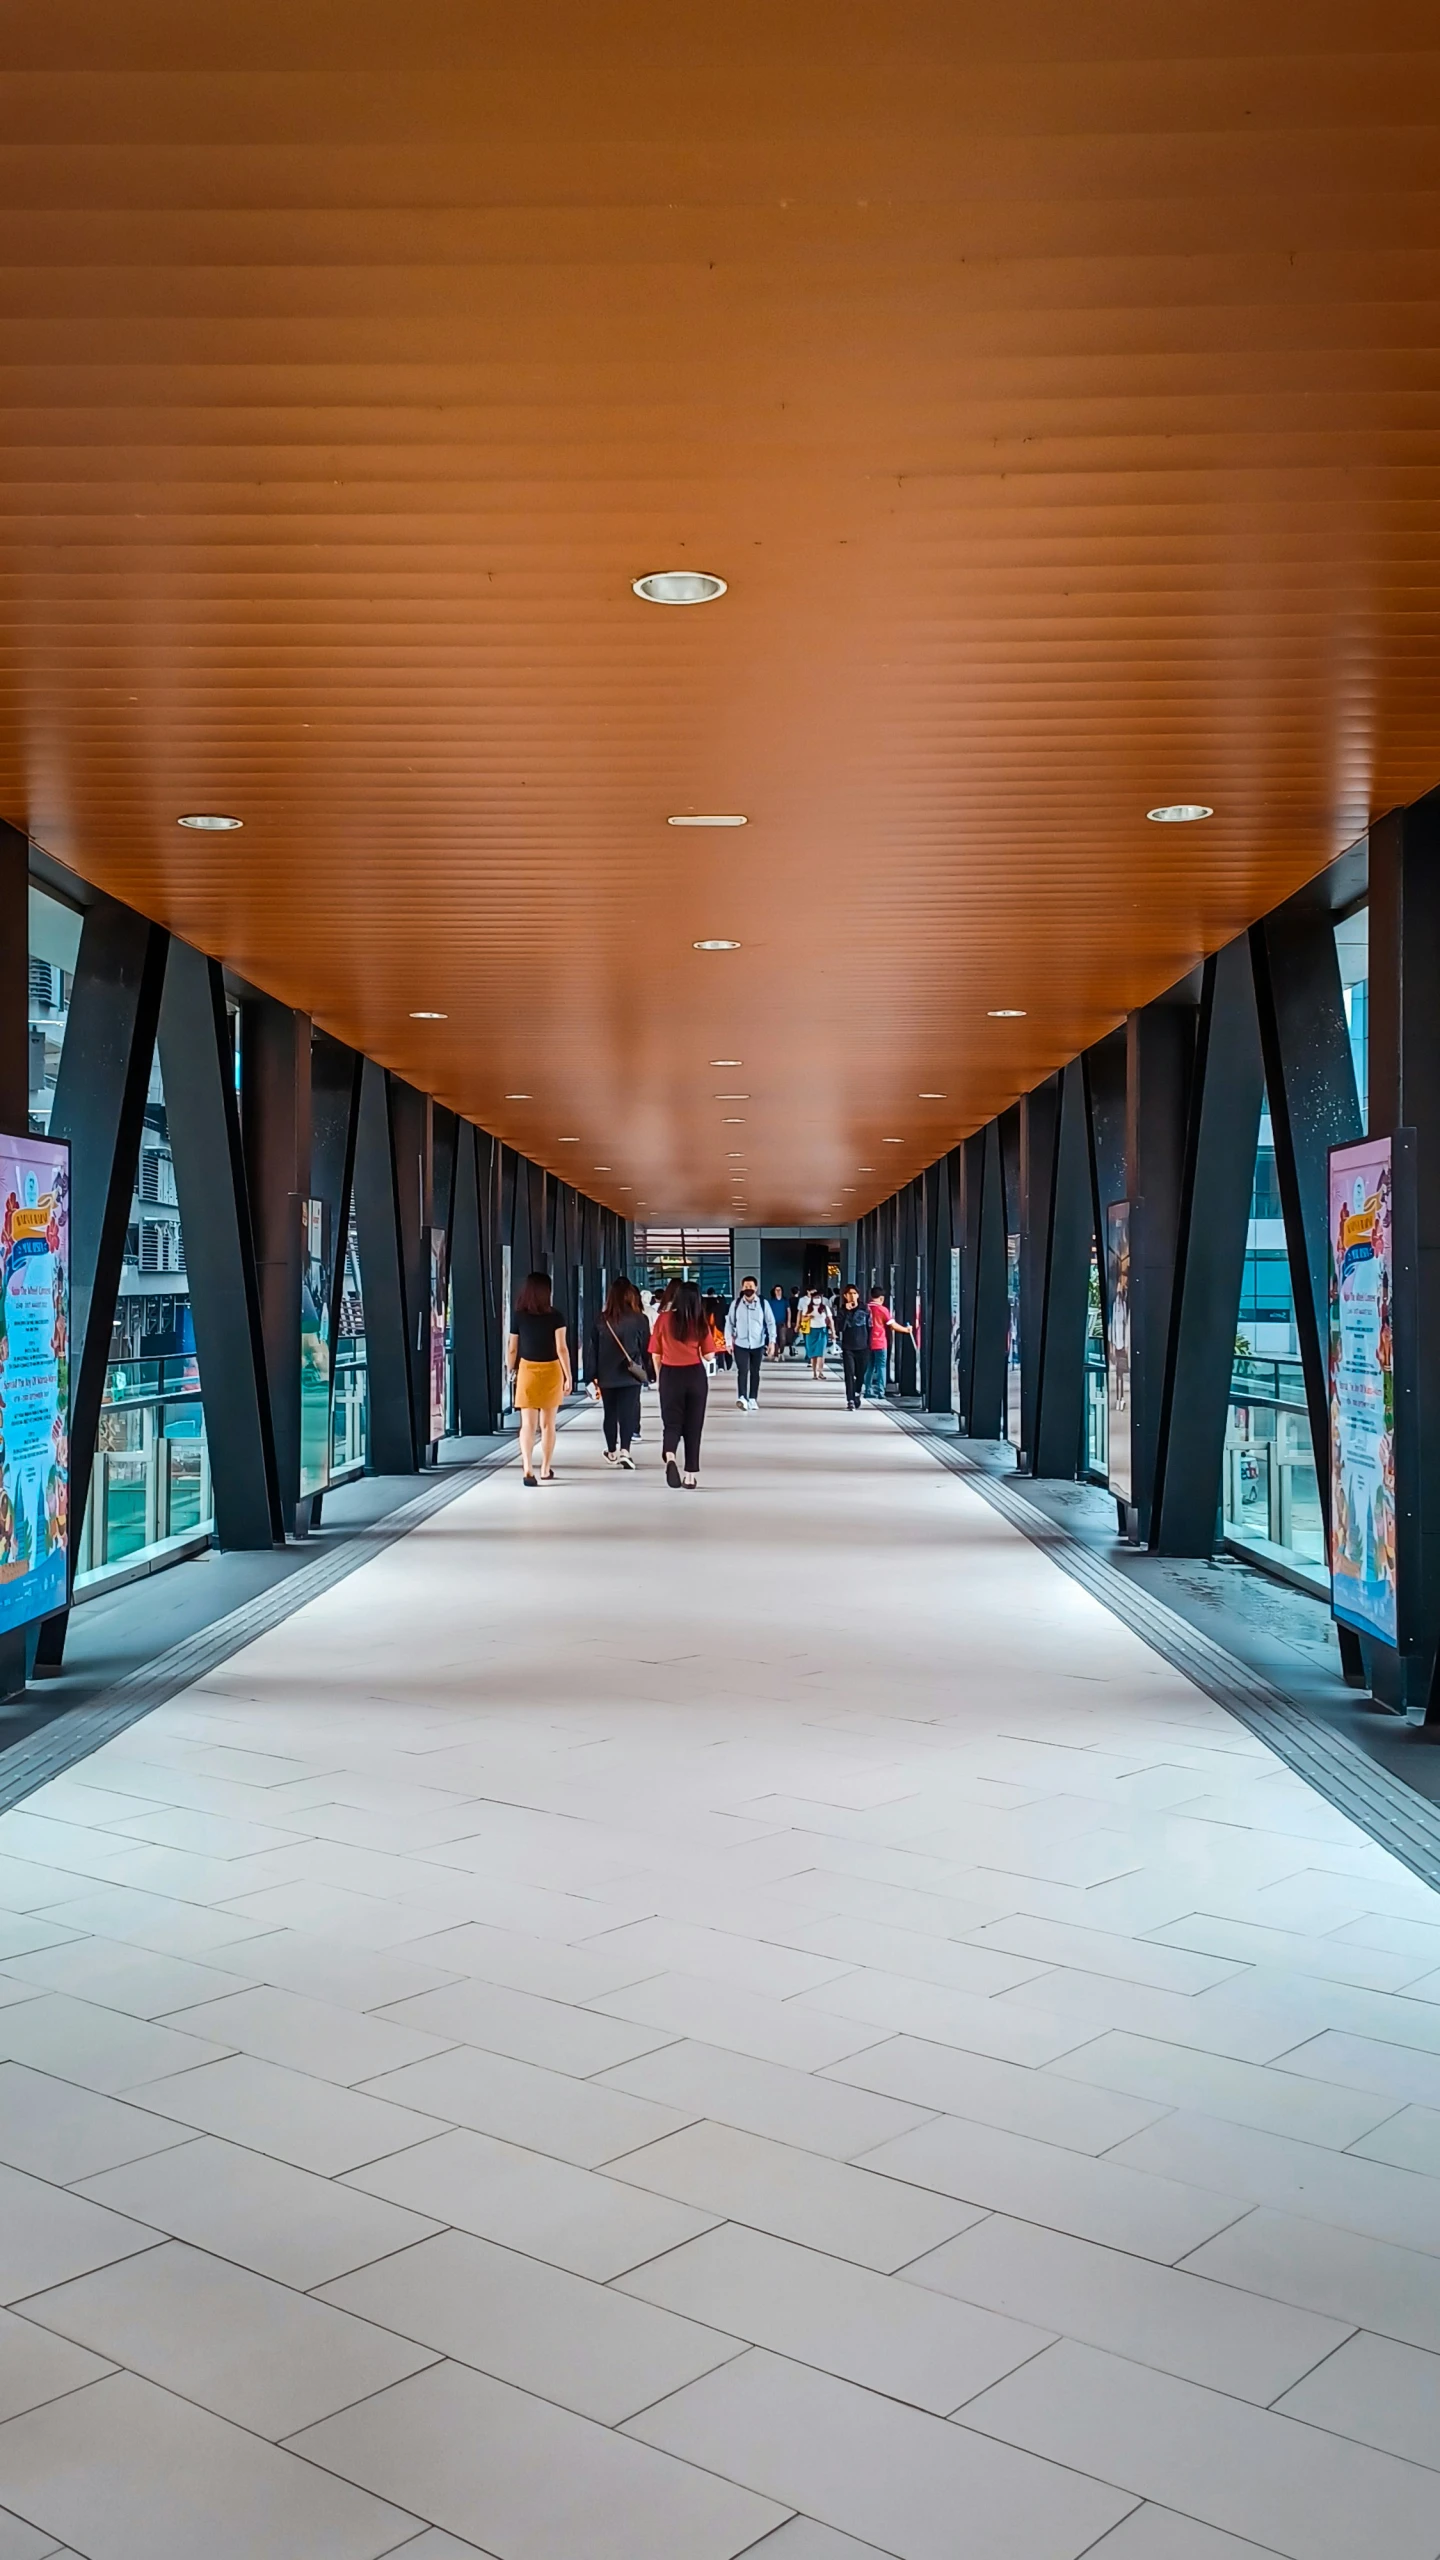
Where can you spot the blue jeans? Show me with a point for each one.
(875, 1374)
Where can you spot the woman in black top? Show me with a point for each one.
(539, 1361)
(619, 1348)
(854, 1346)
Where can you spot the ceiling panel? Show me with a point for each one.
(1057, 391)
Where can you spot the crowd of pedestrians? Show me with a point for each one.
(677, 1350)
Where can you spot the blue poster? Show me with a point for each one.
(34, 1377)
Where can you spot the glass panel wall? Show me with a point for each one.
(1352, 944)
(1270, 1499)
(1097, 1411)
(351, 1445)
(54, 945)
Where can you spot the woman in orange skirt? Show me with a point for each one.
(539, 1362)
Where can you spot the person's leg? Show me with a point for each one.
(527, 1441)
(669, 1410)
(610, 1407)
(756, 1361)
(696, 1397)
(627, 1414)
(548, 1421)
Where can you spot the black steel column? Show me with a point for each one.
(1405, 1093)
(1058, 1424)
(1216, 1189)
(334, 1122)
(277, 1138)
(393, 1450)
(1038, 1115)
(1314, 1105)
(1160, 1054)
(937, 1362)
(100, 1107)
(197, 1065)
(472, 1328)
(907, 1258)
(985, 1293)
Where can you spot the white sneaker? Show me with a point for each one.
(612, 1457)
(625, 1460)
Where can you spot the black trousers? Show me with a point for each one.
(853, 1363)
(747, 1371)
(621, 1407)
(683, 1393)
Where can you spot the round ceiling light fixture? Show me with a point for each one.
(1179, 813)
(715, 942)
(1006, 1013)
(678, 586)
(707, 822)
(208, 824)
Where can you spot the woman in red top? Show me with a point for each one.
(678, 1346)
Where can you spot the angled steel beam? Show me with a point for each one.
(1058, 1413)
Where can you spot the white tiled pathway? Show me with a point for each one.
(651, 2026)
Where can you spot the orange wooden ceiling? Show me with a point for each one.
(1057, 388)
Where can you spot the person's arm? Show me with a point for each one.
(562, 1354)
(512, 1354)
(769, 1324)
(730, 1327)
(897, 1327)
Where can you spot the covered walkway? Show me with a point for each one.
(645, 2026)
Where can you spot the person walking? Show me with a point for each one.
(538, 1358)
(817, 1326)
(854, 1346)
(678, 1346)
(750, 1334)
(882, 1325)
(779, 1307)
(620, 1365)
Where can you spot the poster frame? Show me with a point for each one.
(1117, 1259)
(48, 1585)
(1340, 1162)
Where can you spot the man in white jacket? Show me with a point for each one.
(750, 1334)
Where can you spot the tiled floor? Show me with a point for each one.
(651, 2027)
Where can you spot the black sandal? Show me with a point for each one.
(672, 1475)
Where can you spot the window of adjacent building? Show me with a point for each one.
(54, 948)
(1352, 945)
(351, 1442)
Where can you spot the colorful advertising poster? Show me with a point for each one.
(34, 1377)
(1117, 1349)
(1364, 1588)
(439, 1325)
(317, 1276)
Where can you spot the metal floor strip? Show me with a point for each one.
(74, 1735)
(1390, 1813)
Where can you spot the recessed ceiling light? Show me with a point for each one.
(707, 822)
(732, 1097)
(602, 1168)
(930, 1097)
(735, 1121)
(849, 1190)
(892, 1142)
(678, 586)
(715, 942)
(206, 825)
(517, 1097)
(727, 1062)
(567, 1142)
(1180, 813)
(1006, 1013)
(864, 1168)
(429, 1017)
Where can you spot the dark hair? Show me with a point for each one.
(624, 1298)
(536, 1296)
(749, 1281)
(688, 1320)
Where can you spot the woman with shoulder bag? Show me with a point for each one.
(620, 1365)
(679, 1344)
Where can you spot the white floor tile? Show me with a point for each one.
(1123, 2207)
(34, 2367)
(1049, 1942)
(586, 2346)
(1380, 2393)
(21, 2541)
(1409, 2140)
(557, 2036)
(523, 1961)
(58, 2131)
(307, 2035)
(906, 2482)
(575, 2218)
(48, 2234)
(326, 1969)
(311, 2123)
(713, 1955)
(867, 2328)
(131, 1979)
(276, 2220)
(1161, 2316)
(530, 2481)
(1294, 2177)
(1157, 2533)
(814, 2113)
(1244, 2470)
(1366, 2283)
(1269, 2098)
(245, 2348)
(1005, 2094)
(541, 2110)
(128, 2472)
(801, 2539)
(822, 2204)
(894, 2006)
(1394, 2071)
(99, 2048)
(785, 2031)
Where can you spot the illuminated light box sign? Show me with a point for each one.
(34, 1377)
(1371, 1217)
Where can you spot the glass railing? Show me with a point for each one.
(350, 1440)
(1097, 1410)
(1271, 1494)
(150, 1489)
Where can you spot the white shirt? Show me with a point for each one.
(750, 1324)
